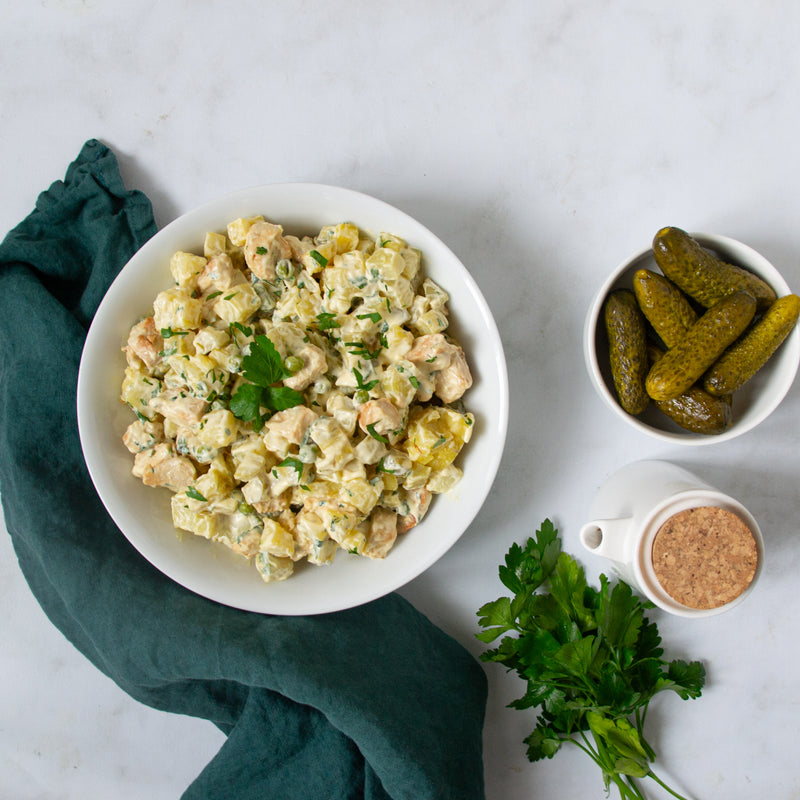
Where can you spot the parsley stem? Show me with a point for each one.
(664, 786)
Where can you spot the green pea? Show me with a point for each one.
(294, 364)
(361, 397)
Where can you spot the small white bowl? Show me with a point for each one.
(210, 569)
(752, 404)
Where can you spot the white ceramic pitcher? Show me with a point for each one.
(631, 506)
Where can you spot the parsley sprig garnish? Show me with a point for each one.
(590, 658)
(264, 368)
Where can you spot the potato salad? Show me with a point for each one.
(298, 396)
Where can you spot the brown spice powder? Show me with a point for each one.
(704, 557)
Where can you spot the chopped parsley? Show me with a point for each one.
(295, 463)
(361, 349)
(319, 258)
(375, 435)
(360, 381)
(327, 320)
(195, 495)
(167, 333)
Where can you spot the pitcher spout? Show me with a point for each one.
(607, 538)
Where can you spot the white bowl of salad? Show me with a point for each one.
(293, 399)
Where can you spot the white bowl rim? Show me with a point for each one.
(790, 349)
(490, 390)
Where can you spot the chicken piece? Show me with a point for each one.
(246, 545)
(264, 247)
(142, 434)
(379, 416)
(273, 506)
(382, 533)
(162, 466)
(219, 274)
(291, 425)
(314, 365)
(180, 408)
(418, 502)
(299, 246)
(451, 382)
(444, 362)
(146, 342)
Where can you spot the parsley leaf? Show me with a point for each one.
(295, 463)
(279, 398)
(590, 659)
(195, 495)
(263, 365)
(264, 368)
(246, 403)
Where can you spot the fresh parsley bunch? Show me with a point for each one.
(257, 400)
(591, 660)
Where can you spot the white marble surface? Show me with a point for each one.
(544, 142)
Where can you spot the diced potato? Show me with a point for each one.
(361, 494)
(273, 568)
(276, 540)
(413, 262)
(217, 483)
(398, 341)
(324, 255)
(138, 389)
(208, 339)
(200, 374)
(237, 230)
(390, 241)
(218, 428)
(400, 292)
(436, 435)
(444, 480)
(176, 309)
(238, 304)
(215, 244)
(399, 383)
(386, 263)
(343, 236)
(354, 541)
(185, 267)
(417, 476)
(249, 458)
(201, 523)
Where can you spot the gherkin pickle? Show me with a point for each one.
(695, 410)
(703, 276)
(625, 325)
(744, 358)
(664, 305)
(703, 343)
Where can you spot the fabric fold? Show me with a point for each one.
(373, 702)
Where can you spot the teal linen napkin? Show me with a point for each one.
(374, 702)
